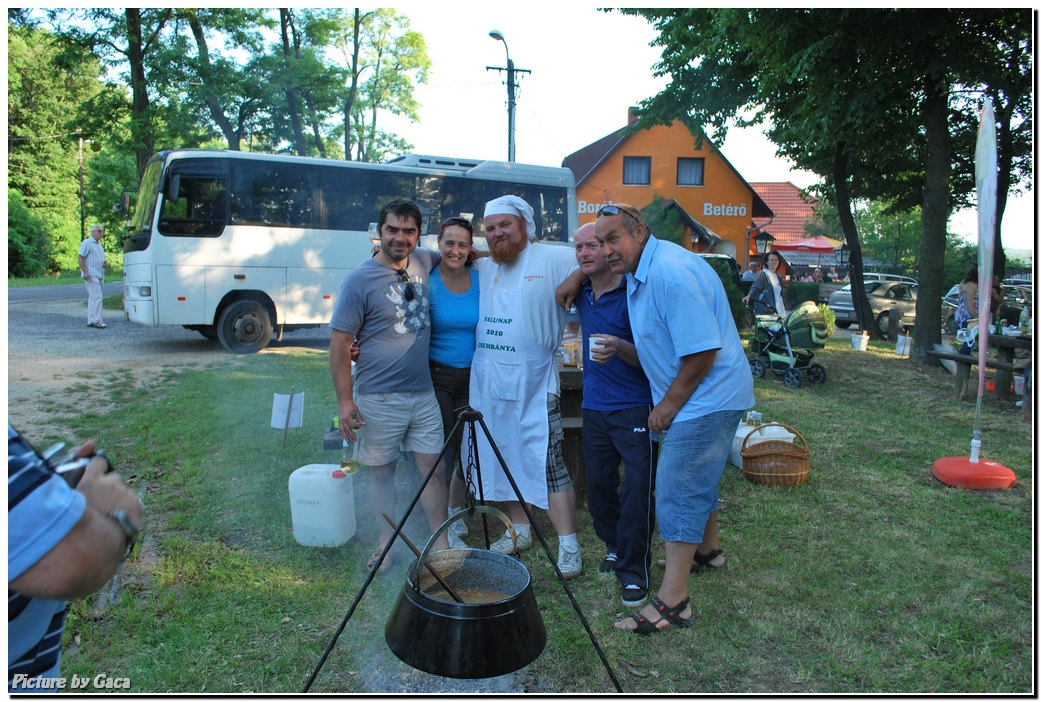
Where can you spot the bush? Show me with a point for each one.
(734, 294)
(797, 293)
(829, 317)
(28, 246)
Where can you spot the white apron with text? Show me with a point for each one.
(509, 382)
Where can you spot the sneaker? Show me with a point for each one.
(570, 563)
(633, 595)
(505, 543)
(607, 565)
(459, 527)
(454, 541)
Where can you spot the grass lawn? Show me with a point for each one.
(872, 577)
(63, 278)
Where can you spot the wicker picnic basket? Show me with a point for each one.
(773, 462)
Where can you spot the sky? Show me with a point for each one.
(587, 68)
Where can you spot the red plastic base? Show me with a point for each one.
(957, 471)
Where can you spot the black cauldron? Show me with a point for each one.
(429, 631)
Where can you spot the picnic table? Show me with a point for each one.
(1005, 346)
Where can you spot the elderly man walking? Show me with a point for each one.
(616, 399)
(92, 269)
(514, 380)
(701, 383)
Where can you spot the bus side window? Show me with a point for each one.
(201, 208)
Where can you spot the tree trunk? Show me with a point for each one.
(844, 207)
(935, 210)
(290, 92)
(141, 119)
(352, 92)
(232, 135)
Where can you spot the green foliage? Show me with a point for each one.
(959, 257)
(798, 292)
(734, 294)
(665, 225)
(47, 89)
(28, 248)
(829, 317)
(198, 78)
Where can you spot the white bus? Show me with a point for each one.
(240, 246)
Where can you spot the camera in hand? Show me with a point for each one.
(68, 465)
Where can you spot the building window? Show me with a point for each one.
(636, 170)
(690, 171)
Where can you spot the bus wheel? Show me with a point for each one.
(244, 327)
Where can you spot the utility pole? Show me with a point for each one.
(511, 87)
(83, 215)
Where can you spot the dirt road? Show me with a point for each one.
(55, 361)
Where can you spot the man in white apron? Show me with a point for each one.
(514, 381)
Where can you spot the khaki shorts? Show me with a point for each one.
(398, 421)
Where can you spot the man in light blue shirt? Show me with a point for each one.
(689, 348)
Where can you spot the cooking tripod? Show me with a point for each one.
(467, 416)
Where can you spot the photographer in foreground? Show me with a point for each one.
(62, 543)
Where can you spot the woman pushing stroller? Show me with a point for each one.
(767, 290)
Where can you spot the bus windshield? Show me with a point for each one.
(139, 229)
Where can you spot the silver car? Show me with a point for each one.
(883, 295)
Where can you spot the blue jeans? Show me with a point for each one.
(693, 455)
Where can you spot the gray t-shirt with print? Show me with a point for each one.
(393, 333)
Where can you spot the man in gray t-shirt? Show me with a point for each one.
(385, 304)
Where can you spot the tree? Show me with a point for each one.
(837, 84)
(124, 40)
(28, 247)
(47, 87)
(397, 58)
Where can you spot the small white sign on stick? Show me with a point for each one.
(287, 412)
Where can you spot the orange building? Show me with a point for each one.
(667, 161)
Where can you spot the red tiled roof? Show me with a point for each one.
(790, 209)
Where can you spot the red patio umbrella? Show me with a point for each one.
(816, 244)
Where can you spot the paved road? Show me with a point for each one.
(59, 292)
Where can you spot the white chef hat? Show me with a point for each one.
(513, 205)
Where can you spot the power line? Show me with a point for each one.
(40, 138)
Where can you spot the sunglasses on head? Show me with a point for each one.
(410, 293)
(458, 222)
(612, 210)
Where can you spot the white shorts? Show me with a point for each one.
(398, 421)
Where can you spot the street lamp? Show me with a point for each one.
(763, 243)
(842, 254)
(511, 85)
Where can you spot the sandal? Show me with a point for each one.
(645, 627)
(375, 558)
(703, 562)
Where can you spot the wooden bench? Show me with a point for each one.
(965, 364)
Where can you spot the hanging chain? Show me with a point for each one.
(471, 490)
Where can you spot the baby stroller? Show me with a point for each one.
(785, 346)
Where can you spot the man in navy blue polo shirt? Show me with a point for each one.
(616, 400)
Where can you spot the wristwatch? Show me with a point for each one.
(129, 528)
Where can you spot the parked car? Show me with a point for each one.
(883, 295)
(1016, 298)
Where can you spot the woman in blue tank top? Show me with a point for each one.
(454, 298)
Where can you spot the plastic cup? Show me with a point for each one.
(595, 342)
